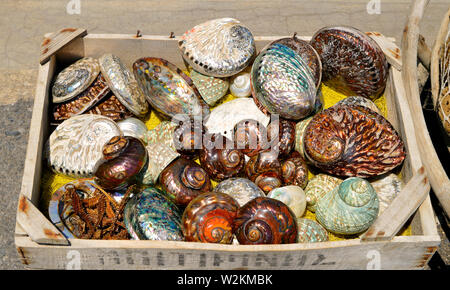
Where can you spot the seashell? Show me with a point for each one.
(123, 84)
(282, 83)
(317, 187)
(168, 89)
(265, 220)
(210, 88)
(348, 209)
(387, 188)
(74, 79)
(352, 62)
(82, 102)
(241, 189)
(310, 231)
(150, 215)
(300, 128)
(124, 157)
(250, 137)
(183, 180)
(220, 47)
(240, 85)
(352, 141)
(295, 171)
(361, 101)
(133, 127)
(281, 133)
(209, 218)
(293, 196)
(307, 53)
(112, 108)
(188, 137)
(264, 170)
(219, 161)
(233, 113)
(75, 147)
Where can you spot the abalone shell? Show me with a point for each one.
(241, 189)
(168, 89)
(211, 89)
(361, 101)
(133, 127)
(220, 47)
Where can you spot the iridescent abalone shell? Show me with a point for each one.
(209, 218)
(282, 83)
(133, 127)
(293, 196)
(317, 187)
(352, 140)
(150, 215)
(350, 208)
(310, 231)
(123, 84)
(75, 147)
(168, 89)
(74, 79)
(352, 62)
(387, 186)
(211, 89)
(241, 189)
(220, 47)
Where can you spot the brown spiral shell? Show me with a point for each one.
(221, 163)
(250, 136)
(265, 220)
(352, 140)
(264, 170)
(209, 218)
(352, 62)
(125, 157)
(188, 137)
(283, 137)
(183, 180)
(295, 171)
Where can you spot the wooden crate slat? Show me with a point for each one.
(390, 49)
(56, 41)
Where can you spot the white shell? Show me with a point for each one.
(233, 112)
(241, 189)
(293, 196)
(387, 188)
(240, 85)
(133, 127)
(75, 148)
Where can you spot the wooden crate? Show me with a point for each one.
(40, 245)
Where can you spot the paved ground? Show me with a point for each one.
(24, 22)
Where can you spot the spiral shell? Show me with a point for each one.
(264, 169)
(265, 220)
(317, 187)
(183, 180)
(295, 171)
(352, 62)
(351, 140)
(209, 218)
(150, 215)
(348, 209)
(387, 188)
(74, 79)
(75, 147)
(220, 47)
(240, 85)
(293, 196)
(210, 88)
(300, 129)
(188, 137)
(310, 231)
(250, 137)
(241, 189)
(283, 137)
(125, 158)
(133, 127)
(219, 161)
(282, 83)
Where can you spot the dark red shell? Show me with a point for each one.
(125, 158)
(221, 163)
(250, 136)
(111, 107)
(188, 137)
(283, 137)
(352, 140)
(209, 218)
(183, 180)
(264, 170)
(265, 220)
(295, 171)
(352, 62)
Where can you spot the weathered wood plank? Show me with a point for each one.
(57, 40)
(390, 49)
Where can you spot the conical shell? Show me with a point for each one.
(317, 187)
(387, 187)
(350, 208)
(293, 196)
(241, 189)
(240, 85)
(310, 231)
(211, 89)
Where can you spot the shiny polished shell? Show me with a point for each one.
(133, 127)
(317, 187)
(240, 85)
(361, 101)
(264, 169)
(220, 47)
(282, 83)
(310, 231)
(75, 147)
(300, 128)
(352, 62)
(211, 89)
(112, 108)
(293, 196)
(351, 140)
(295, 171)
(350, 208)
(387, 186)
(150, 215)
(241, 189)
(74, 79)
(123, 84)
(168, 89)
